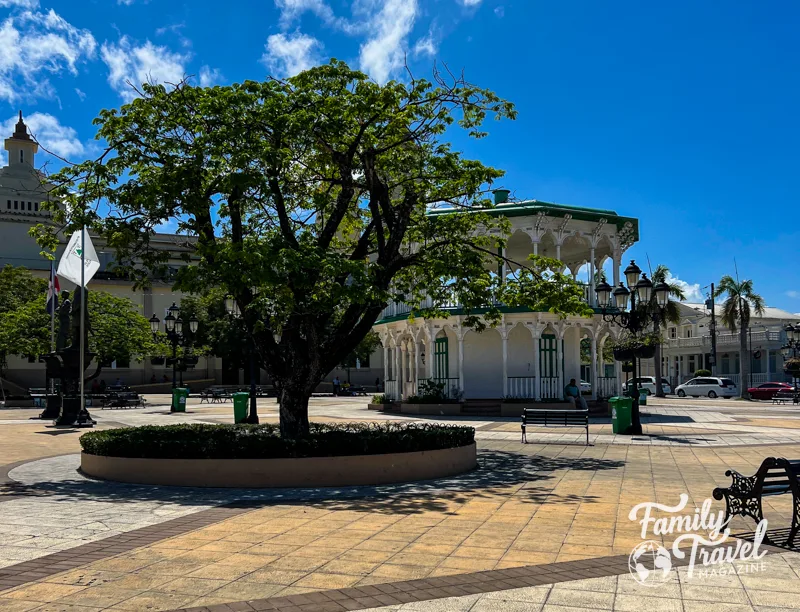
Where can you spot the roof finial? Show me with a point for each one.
(21, 130)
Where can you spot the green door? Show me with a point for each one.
(548, 367)
(441, 359)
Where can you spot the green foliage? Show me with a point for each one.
(792, 366)
(319, 192)
(118, 331)
(362, 352)
(432, 392)
(740, 301)
(635, 341)
(381, 399)
(202, 441)
(702, 372)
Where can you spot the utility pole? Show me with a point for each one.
(713, 328)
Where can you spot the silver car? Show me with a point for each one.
(708, 386)
(648, 385)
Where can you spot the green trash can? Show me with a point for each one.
(240, 406)
(179, 399)
(642, 397)
(621, 409)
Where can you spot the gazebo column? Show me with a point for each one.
(559, 364)
(396, 370)
(461, 360)
(403, 355)
(416, 366)
(592, 297)
(595, 380)
(504, 336)
(537, 370)
(385, 365)
(617, 262)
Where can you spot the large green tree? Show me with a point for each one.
(316, 191)
(741, 300)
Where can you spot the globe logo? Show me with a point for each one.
(650, 563)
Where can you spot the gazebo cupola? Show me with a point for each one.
(20, 146)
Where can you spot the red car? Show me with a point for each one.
(767, 390)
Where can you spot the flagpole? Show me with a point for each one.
(83, 313)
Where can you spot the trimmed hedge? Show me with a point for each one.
(202, 441)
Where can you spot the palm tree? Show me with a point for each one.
(736, 311)
(669, 314)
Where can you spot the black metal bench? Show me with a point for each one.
(549, 417)
(781, 397)
(774, 477)
(122, 399)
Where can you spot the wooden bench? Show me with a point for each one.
(774, 477)
(122, 399)
(781, 397)
(549, 417)
(214, 395)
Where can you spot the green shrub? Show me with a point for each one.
(381, 399)
(203, 441)
(702, 372)
(433, 392)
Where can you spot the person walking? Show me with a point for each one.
(337, 385)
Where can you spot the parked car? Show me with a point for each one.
(712, 387)
(585, 387)
(648, 385)
(769, 389)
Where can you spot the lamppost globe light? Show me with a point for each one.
(662, 294)
(797, 331)
(230, 304)
(621, 295)
(789, 329)
(632, 273)
(644, 289)
(154, 323)
(174, 310)
(179, 326)
(169, 321)
(603, 294)
(193, 323)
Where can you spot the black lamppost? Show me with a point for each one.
(639, 289)
(792, 344)
(176, 334)
(233, 310)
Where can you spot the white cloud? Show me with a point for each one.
(426, 46)
(49, 133)
(80, 94)
(209, 76)
(693, 292)
(27, 4)
(288, 54)
(384, 53)
(33, 44)
(126, 2)
(470, 2)
(793, 294)
(131, 64)
(500, 11)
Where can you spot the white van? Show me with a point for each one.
(648, 385)
(711, 387)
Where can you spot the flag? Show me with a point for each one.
(53, 290)
(70, 265)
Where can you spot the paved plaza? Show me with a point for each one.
(537, 526)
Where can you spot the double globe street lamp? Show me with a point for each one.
(174, 327)
(613, 304)
(792, 347)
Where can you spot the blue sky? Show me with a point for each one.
(683, 114)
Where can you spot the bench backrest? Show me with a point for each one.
(554, 417)
(778, 476)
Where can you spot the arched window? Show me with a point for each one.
(21, 156)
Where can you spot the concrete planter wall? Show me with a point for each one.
(432, 409)
(514, 409)
(302, 472)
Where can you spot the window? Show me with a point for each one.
(36, 206)
(8, 205)
(16, 204)
(688, 332)
(673, 332)
(30, 205)
(21, 156)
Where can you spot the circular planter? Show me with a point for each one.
(350, 470)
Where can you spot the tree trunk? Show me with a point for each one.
(744, 362)
(294, 411)
(657, 364)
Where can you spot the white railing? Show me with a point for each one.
(522, 386)
(726, 339)
(551, 388)
(395, 309)
(606, 387)
(451, 387)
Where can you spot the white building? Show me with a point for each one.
(687, 346)
(530, 354)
